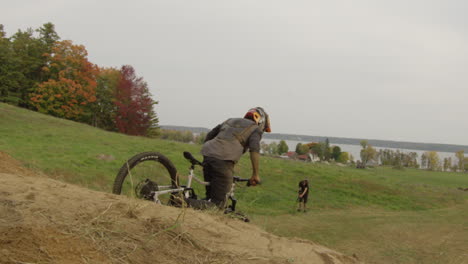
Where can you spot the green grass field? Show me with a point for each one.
(382, 215)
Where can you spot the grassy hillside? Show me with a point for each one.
(382, 215)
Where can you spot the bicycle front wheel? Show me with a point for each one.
(145, 173)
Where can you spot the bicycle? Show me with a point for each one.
(152, 176)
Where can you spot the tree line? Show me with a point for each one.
(389, 144)
(318, 150)
(182, 136)
(398, 159)
(38, 71)
(370, 156)
(274, 148)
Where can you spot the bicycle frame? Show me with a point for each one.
(169, 189)
(174, 194)
(185, 189)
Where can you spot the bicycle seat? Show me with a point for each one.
(192, 159)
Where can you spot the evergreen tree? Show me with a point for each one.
(104, 109)
(9, 75)
(23, 58)
(336, 151)
(29, 60)
(48, 38)
(282, 147)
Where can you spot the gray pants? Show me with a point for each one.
(220, 175)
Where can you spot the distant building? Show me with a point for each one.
(303, 157)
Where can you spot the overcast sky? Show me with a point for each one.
(375, 69)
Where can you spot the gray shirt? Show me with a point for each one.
(231, 139)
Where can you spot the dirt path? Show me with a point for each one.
(46, 221)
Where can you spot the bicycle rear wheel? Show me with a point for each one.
(144, 173)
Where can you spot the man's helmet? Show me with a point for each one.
(260, 117)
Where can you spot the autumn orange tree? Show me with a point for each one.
(72, 84)
(37, 71)
(134, 113)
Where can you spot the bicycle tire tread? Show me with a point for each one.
(141, 157)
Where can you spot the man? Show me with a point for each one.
(222, 149)
(303, 195)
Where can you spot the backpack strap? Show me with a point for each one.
(244, 134)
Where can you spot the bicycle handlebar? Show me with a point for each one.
(239, 179)
(192, 160)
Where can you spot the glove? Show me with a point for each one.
(253, 182)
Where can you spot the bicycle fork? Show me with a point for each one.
(233, 203)
(232, 207)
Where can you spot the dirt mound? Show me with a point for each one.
(46, 221)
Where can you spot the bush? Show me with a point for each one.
(176, 135)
